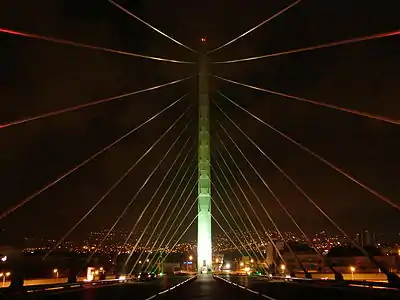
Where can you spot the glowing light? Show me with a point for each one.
(8, 274)
(252, 260)
(228, 266)
(283, 267)
(89, 274)
(352, 269)
(55, 270)
(241, 264)
(4, 258)
(203, 40)
(190, 257)
(247, 269)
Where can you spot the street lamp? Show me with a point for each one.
(187, 263)
(352, 270)
(5, 275)
(283, 267)
(55, 271)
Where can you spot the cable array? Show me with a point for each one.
(118, 182)
(157, 226)
(392, 278)
(320, 158)
(80, 165)
(151, 199)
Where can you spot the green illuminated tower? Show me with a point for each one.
(204, 252)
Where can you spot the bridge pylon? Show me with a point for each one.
(204, 248)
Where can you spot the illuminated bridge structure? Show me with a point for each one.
(205, 183)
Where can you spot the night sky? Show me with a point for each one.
(38, 76)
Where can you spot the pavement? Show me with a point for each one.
(205, 287)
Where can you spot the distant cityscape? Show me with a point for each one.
(115, 242)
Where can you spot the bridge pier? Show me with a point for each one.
(204, 249)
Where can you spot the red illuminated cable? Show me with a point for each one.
(75, 44)
(80, 165)
(327, 45)
(80, 106)
(348, 110)
(320, 158)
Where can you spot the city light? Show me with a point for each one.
(228, 266)
(283, 267)
(190, 257)
(352, 270)
(4, 258)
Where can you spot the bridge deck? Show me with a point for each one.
(207, 288)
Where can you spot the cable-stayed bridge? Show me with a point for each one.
(207, 183)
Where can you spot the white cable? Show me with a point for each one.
(157, 208)
(166, 208)
(149, 25)
(257, 26)
(139, 190)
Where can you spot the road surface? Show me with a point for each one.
(206, 287)
(284, 290)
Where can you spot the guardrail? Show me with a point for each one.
(334, 283)
(59, 286)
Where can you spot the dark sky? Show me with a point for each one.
(38, 76)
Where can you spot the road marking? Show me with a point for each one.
(245, 288)
(171, 288)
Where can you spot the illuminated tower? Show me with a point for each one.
(204, 252)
